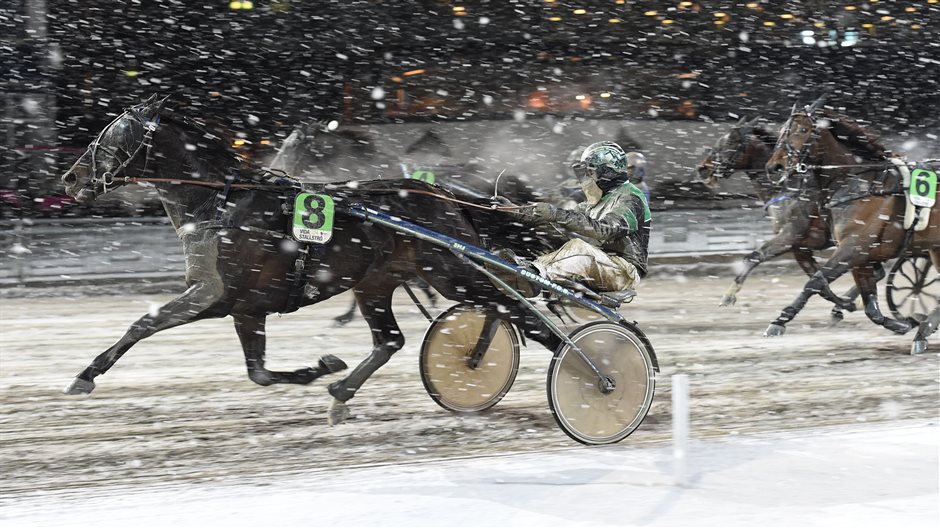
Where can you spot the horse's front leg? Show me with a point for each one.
(374, 297)
(840, 262)
(250, 330)
(776, 246)
(200, 301)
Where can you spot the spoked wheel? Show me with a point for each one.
(913, 288)
(468, 360)
(584, 408)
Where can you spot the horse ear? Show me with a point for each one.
(741, 121)
(160, 104)
(817, 104)
(753, 122)
(793, 110)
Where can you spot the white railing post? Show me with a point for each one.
(680, 427)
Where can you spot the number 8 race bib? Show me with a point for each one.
(923, 188)
(313, 218)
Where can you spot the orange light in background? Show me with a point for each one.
(537, 100)
(752, 5)
(910, 9)
(819, 24)
(215, 94)
(915, 26)
(651, 13)
(459, 9)
(887, 18)
(396, 78)
(555, 19)
(414, 72)
(605, 95)
(719, 15)
(238, 143)
(850, 8)
(580, 11)
(614, 20)
(685, 4)
(868, 26)
(770, 23)
(719, 22)
(668, 21)
(786, 16)
(585, 101)
(265, 142)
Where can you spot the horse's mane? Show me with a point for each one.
(863, 142)
(765, 136)
(220, 153)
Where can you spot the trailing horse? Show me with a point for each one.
(798, 224)
(866, 191)
(241, 262)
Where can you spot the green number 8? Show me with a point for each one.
(313, 216)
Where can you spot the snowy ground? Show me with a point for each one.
(821, 426)
(876, 475)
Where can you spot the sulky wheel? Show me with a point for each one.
(913, 288)
(588, 412)
(468, 360)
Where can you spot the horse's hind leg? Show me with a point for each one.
(195, 303)
(250, 330)
(374, 296)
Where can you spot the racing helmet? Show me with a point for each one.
(605, 159)
(636, 166)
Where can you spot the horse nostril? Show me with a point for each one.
(69, 178)
(776, 167)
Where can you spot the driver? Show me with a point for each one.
(609, 231)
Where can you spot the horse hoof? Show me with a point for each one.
(728, 300)
(338, 412)
(835, 318)
(918, 347)
(775, 330)
(79, 386)
(342, 320)
(331, 364)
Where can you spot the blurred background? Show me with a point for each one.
(508, 85)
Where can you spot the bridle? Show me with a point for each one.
(796, 158)
(719, 165)
(108, 178)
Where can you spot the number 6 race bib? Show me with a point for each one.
(923, 188)
(313, 218)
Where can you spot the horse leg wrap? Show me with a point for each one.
(79, 386)
(346, 388)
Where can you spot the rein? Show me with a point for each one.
(266, 187)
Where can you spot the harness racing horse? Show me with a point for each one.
(798, 225)
(862, 186)
(239, 261)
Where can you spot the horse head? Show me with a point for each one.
(124, 143)
(795, 143)
(728, 155)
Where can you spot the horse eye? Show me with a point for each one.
(803, 130)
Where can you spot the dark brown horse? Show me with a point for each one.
(861, 184)
(798, 225)
(240, 261)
